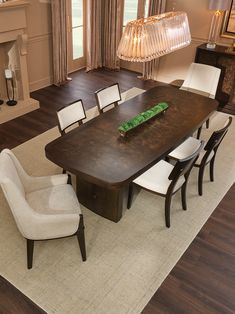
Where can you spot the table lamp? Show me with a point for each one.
(218, 6)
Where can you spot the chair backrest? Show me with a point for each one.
(184, 166)
(10, 171)
(202, 79)
(71, 114)
(215, 139)
(12, 177)
(108, 96)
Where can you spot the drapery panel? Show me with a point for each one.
(150, 68)
(112, 32)
(94, 34)
(104, 30)
(59, 41)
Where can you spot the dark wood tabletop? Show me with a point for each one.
(100, 155)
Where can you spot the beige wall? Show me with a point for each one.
(39, 44)
(172, 66)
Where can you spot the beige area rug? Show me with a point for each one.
(126, 261)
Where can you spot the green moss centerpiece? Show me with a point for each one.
(142, 117)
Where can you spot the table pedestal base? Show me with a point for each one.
(106, 202)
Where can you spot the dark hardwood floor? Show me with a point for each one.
(12, 301)
(203, 281)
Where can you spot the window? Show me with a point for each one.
(76, 59)
(130, 11)
(77, 28)
(134, 9)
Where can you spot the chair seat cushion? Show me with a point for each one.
(57, 199)
(187, 148)
(156, 178)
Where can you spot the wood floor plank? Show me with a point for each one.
(12, 301)
(203, 280)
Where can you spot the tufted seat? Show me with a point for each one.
(43, 207)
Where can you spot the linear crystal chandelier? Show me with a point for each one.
(149, 38)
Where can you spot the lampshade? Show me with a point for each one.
(149, 38)
(221, 5)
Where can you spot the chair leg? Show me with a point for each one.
(207, 123)
(167, 210)
(200, 179)
(130, 196)
(212, 169)
(30, 247)
(183, 196)
(69, 181)
(81, 238)
(199, 132)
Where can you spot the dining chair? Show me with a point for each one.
(207, 155)
(202, 79)
(165, 180)
(44, 207)
(69, 115)
(108, 96)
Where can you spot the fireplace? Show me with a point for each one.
(13, 56)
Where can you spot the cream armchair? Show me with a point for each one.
(43, 207)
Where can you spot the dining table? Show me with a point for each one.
(105, 163)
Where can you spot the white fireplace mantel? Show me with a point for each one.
(13, 55)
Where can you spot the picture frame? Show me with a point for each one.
(228, 25)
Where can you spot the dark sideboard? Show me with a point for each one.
(224, 60)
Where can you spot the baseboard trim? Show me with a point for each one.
(47, 81)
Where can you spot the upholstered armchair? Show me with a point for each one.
(43, 207)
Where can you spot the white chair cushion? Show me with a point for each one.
(54, 200)
(156, 178)
(187, 148)
(71, 114)
(108, 96)
(202, 79)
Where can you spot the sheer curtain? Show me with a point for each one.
(104, 29)
(150, 68)
(59, 41)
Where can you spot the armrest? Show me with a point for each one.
(38, 183)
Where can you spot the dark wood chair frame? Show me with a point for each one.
(199, 131)
(101, 110)
(211, 145)
(182, 167)
(80, 236)
(80, 121)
